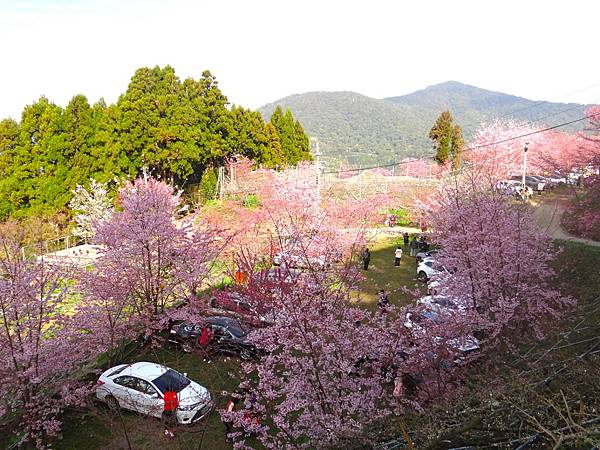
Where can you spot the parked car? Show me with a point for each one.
(429, 268)
(422, 255)
(557, 179)
(548, 184)
(531, 181)
(141, 386)
(437, 315)
(513, 188)
(444, 301)
(228, 336)
(235, 304)
(299, 261)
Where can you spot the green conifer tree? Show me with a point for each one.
(447, 140)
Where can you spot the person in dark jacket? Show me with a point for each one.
(383, 301)
(413, 246)
(405, 237)
(366, 258)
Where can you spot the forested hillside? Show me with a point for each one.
(360, 130)
(178, 130)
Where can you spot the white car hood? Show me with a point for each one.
(192, 394)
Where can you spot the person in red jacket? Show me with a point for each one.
(205, 342)
(170, 411)
(231, 406)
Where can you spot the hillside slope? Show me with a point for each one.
(358, 130)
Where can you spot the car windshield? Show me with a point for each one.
(433, 316)
(236, 330)
(171, 380)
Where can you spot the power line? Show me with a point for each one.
(538, 103)
(468, 149)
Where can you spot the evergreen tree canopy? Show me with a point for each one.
(447, 140)
(176, 129)
(294, 141)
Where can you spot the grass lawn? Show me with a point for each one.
(382, 274)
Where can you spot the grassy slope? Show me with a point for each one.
(382, 274)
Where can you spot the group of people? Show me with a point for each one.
(171, 403)
(417, 244)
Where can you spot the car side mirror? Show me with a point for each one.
(185, 374)
(155, 396)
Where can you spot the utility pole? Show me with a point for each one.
(318, 165)
(524, 170)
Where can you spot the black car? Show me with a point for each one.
(227, 337)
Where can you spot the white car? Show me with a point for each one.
(429, 268)
(421, 256)
(140, 387)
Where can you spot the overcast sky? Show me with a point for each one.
(261, 51)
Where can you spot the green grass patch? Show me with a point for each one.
(382, 274)
(402, 216)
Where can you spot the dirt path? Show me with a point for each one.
(548, 214)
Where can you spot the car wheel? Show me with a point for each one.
(422, 276)
(186, 347)
(113, 403)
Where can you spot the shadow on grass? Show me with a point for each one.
(382, 274)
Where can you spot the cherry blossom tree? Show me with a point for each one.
(497, 261)
(40, 352)
(326, 379)
(93, 207)
(583, 216)
(497, 148)
(495, 154)
(583, 213)
(153, 259)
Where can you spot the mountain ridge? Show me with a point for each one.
(354, 129)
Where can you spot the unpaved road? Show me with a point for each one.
(548, 214)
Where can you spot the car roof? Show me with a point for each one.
(148, 370)
(221, 320)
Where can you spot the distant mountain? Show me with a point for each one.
(358, 130)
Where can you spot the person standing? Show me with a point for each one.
(397, 256)
(204, 341)
(422, 244)
(366, 258)
(231, 406)
(413, 246)
(405, 237)
(169, 415)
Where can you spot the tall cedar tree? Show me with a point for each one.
(447, 139)
(294, 142)
(176, 129)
